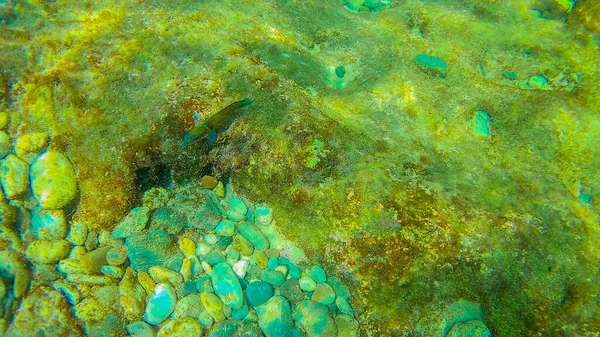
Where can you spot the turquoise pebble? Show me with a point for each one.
(188, 288)
(284, 261)
(481, 123)
(237, 210)
(264, 215)
(431, 65)
(274, 277)
(538, 82)
(49, 224)
(240, 313)
(290, 289)
(214, 258)
(307, 283)
(250, 216)
(225, 228)
(318, 274)
(315, 319)
(340, 71)
(161, 304)
(275, 317)
(202, 283)
(295, 272)
(343, 306)
(273, 263)
(133, 223)
(211, 239)
(254, 235)
(140, 329)
(227, 286)
(258, 293)
(323, 294)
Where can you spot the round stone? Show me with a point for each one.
(343, 306)
(258, 293)
(46, 251)
(237, 209)
(211, 239)
(116, 256)
(161, 304)
(318, 274)
(53, 180)
(275, 317)
(315, 319)
(213, 305)
(324, 294)
(188, 306)
(183, 327)
(307, 284)
(209, 182)
(227, 286)
(49, 224)
(31, 142)
(133, 223)
(225, 228)
(264, 215)
(290, 289)
(13, 175)
(140, 329)
(4, 144)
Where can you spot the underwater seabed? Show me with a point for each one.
(431, 167)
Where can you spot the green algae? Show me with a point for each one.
(421, 212)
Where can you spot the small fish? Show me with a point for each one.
(206, 129)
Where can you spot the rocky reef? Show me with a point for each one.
(440, 158)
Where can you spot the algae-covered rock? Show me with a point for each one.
(167, 219)
(154, 248)
(31, 142)
(183, 327)
(46, 251)
(53, 180)
(140, 329)
(254, 235)
(133, 223)
(14, 268)
(131, 295)
(44, 312)
(315, 319)
(235, 328)
(13, 175)
(49, 224)
(275, 317)
(213, 305)
(161, 304)
(227, 286)
(5, 146)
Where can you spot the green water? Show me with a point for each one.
(424, 152)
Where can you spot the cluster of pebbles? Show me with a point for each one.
(195, 260)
